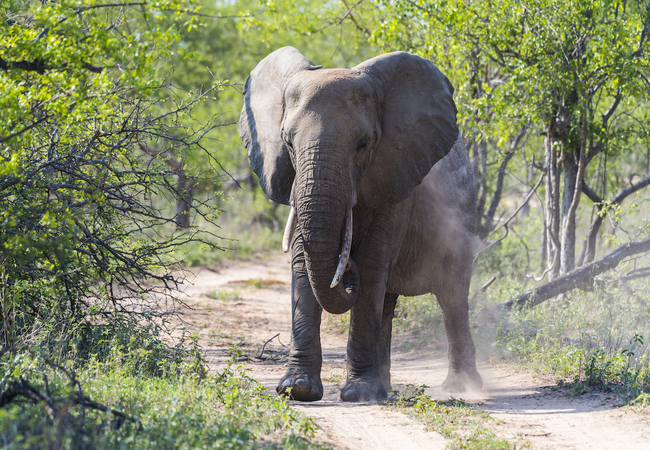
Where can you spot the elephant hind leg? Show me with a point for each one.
(453, 300)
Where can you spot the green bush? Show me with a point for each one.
(88, 233)
(174, 411)
(584, 339)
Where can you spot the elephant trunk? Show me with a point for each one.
(325, 222)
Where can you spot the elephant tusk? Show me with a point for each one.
(289, 229)
(345, 249)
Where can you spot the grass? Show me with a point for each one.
(336, 323)
(337, 378)
(175, 411)
(466, 426)
(592, 340)
(225, 295)
(421, 318)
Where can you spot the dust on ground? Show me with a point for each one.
(248, 303)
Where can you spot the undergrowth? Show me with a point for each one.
(421, 317)
(589, 340)
(253, 224)
(180, 409)
(465, 425)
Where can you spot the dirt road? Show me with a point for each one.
(247, 303)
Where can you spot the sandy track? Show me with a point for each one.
(253, 305)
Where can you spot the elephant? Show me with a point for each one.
(383, 203)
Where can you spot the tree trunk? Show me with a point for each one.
(579, 278)
(567, 260)
(568, 241)
(530, 176)
(479, 157)
(488, 224)
(184, 188)
(544, 249)
(552, 204)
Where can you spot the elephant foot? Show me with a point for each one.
(364, 391)
(300, 386)
(463, 381)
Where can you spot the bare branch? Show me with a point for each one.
(526, 200)
(594, 228)
(176, 165)
(352, 18)
(501, 177)
(590, 193)
(24, 130)
(612, 108)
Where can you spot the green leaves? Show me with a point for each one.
(526, 59)
(85, 214)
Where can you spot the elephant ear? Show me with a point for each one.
(261, 120)
(418, 121)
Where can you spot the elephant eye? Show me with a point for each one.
(362, 144)
(285, 138)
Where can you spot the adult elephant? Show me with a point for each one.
(354, 152)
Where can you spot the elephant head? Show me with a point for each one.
(322, 140)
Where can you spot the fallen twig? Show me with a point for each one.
(484, 287)
(264, 346)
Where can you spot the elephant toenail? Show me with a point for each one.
(301, 383)
(349, 396)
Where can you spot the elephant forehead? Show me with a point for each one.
(329, 86)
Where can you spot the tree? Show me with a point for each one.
(86, 217)
(575, 72)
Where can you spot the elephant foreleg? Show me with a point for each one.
(364, 380)
(368, 350)
(390, 300)
(305, 357)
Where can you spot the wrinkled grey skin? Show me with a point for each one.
(325, 140)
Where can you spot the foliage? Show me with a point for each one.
(576, 72)
(87, 234)
(465, 425)
(585, 340)
(223, 410)
(103, 119)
